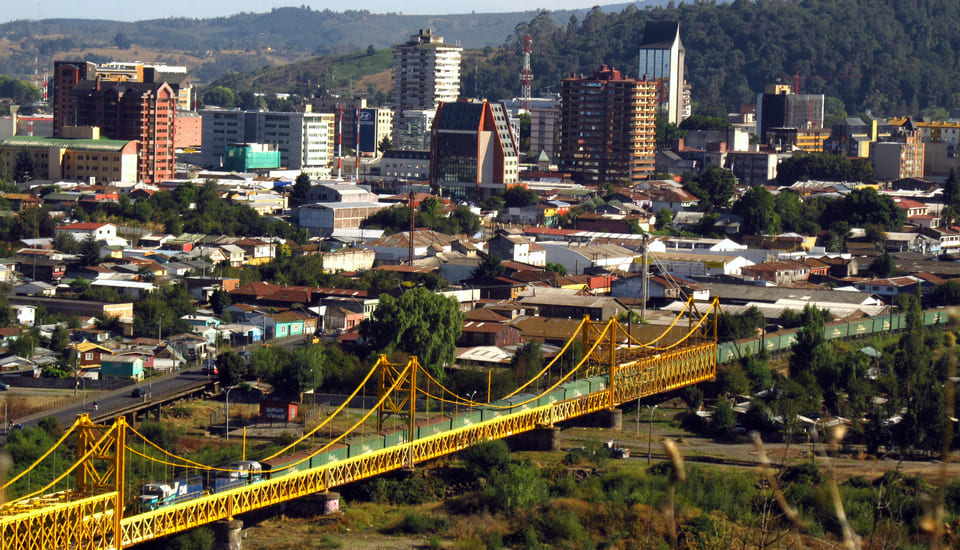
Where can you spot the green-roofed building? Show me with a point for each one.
(75, 159)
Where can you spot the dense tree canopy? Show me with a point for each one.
(714, 187)
(823, 166)
(847, 50)
(420, 323)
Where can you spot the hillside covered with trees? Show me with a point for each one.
(889, 57)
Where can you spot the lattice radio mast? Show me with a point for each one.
(526, 76)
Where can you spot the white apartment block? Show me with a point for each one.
(425, 72)
(303, 139)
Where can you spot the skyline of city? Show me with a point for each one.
(113, 10)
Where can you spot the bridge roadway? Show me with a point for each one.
(93, 515)
(160, 391)
(92, 522)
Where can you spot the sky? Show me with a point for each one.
(134, 10)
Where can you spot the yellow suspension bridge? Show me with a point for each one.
(91, 504)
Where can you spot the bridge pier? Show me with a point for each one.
(227, 534)
(541, 439)
(322, 504)
(610, 419)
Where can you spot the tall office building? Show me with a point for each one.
(607, 128)
(426, 72)
(779, 107)
(662, 61)
(304, 140)
(473, 150)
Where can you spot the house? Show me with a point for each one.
(395, 248)
(517, 248)
(660, 288)
(697, 264)
(889, 288)
(288, 323)
(576, 259)
(257, 251)
(24, 314)
(167, 358)
(35, 288)
(241, 334)
(341, 319)
(480, 333)
(121, 366)
(189, 345)
(89, 353)
(778, 273)
(555, 303)
(15, 363)
(81, 231)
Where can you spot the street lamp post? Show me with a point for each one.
(228, 410)
(638, 416)
(650, 439)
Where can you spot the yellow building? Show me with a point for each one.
(88, 159)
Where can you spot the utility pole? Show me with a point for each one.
(643, 280)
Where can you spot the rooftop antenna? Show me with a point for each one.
(526, 76)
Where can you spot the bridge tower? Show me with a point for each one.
(403, 397)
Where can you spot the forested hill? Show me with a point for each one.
(890, 57)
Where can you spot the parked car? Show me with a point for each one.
(210, 367)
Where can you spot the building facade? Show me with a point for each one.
(100, 160)
(426, 72)
(473, 150)
(607, 128)
(304, 140)
(662, 61)
(779, 107)
(129, 111)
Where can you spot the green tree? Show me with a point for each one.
(724, 421)
(758, 209)
(24, 170)
(714, 187)
(951, 198)
(811, 362)
(420, 323)
(59, 339)
(519, 195)
(300, 189)
(385, 144)
(490, 266)
(121, 41)
(528, 360)
(219, 96)
(947, 293)
(667, 132)
(883, 266)
(219, 300)
(231, 368)
(302, 372)
(664, 218)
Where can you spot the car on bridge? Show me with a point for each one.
(138, 392)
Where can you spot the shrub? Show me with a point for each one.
(417, 524)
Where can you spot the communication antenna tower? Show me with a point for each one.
(526, 76)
